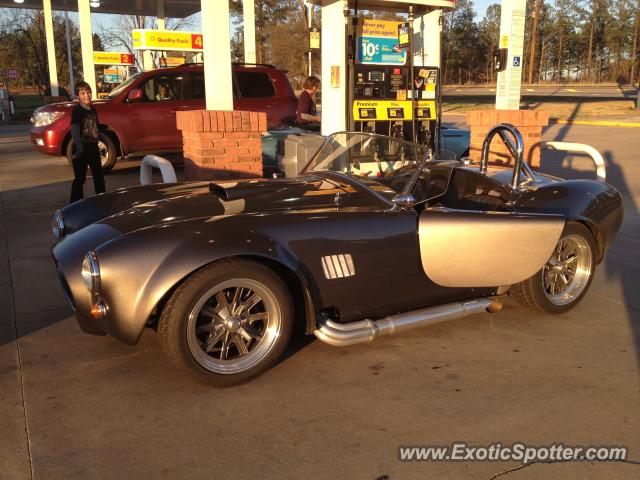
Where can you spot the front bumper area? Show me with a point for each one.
(47, 139)
(91, 325)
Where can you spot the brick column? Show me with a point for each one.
(529, 123)
(221, 145)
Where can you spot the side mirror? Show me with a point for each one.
(135, 95)
(404, 200)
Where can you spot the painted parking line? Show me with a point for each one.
(492, 89)
(570, 90)
(458, 90)
(530, 90)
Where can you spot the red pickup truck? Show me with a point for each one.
(139, 116)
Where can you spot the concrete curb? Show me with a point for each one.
(602, 123)
(568, 121)
(13, 139)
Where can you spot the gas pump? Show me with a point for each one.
(389, 95)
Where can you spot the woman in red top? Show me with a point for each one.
(306, 115)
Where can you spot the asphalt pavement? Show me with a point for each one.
(79, 406)
(574, 91)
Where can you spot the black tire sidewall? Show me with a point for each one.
(174, 320)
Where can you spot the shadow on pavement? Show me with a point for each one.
(618, 264)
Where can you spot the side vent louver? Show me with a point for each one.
(338, 266)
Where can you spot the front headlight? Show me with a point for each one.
(57, 224)
(42, 119)
(91, 272)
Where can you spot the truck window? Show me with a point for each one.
(163, 87)
(254, 84)
(197, 87)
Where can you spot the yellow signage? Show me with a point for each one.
(371, 110)
(505, 41)
(426, 110)
(379, 28)
(112, 58)
(314, 38)
(162, 40)
(172, 61)
(367, 110)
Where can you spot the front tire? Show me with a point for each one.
(107, 149)
(228, 322)
(566, 277)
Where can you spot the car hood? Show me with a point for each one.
(263, 196)
(167, 203)
(68, 106)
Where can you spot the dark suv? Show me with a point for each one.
(139, 116)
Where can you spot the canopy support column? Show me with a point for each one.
(249, 14)
(86, 40)
(51, 47)
(334, 68)
(216, 40)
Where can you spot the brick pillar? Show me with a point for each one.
(221, 145)
(529, 123)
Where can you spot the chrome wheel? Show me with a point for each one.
(234, 326)
(568, 271)
(104, 153)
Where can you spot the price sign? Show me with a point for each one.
(112, 58)
(161, 40)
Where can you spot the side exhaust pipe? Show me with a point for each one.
(342, 335)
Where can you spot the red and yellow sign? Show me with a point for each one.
(162, 40)
(112, 58)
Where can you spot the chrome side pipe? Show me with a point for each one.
(342, 335)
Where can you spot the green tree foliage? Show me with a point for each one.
(23, 46)
(268, 13)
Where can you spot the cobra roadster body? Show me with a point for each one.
(375, 237)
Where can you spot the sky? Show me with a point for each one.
(105, 20)
(481, 7)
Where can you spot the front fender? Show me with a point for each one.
(138, 270)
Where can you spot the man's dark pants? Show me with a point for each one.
(90, 157)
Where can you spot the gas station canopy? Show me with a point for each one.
(172, 8)
(392, 5)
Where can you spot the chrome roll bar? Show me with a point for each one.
(517, 151)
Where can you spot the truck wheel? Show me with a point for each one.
(107, 149)
(228, 322)
(566, 277)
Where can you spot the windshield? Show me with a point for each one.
(118, 90)
(386, 160)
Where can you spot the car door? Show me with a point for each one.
(477, 246)
(468, 249)
(154, 116)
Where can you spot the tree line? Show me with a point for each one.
(565, 41)
(582, 41)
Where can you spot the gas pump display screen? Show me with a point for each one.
(367, 113)
(376, 76)
(395, 112)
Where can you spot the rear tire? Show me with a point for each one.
(228, 322)
(108, 152)
(565, 279)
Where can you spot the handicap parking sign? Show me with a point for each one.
(516, 61)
